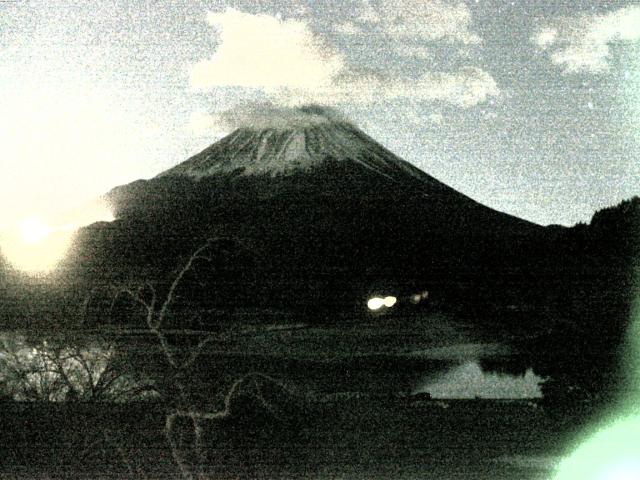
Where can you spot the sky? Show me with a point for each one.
(529, 107)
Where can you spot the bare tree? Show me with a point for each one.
(53, 370)
(156, 311)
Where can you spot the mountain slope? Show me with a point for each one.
(329, 155)
(277, 151)
(294, 150)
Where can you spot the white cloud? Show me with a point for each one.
(201, 123)
(267, 52)
(286, 61)
(465, 88)
(431, 20)
(368, 13)
(545, 37)
(348, 28)
(436, 118)
(582, 58)
(583, 44)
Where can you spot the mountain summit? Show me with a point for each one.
(289, 149)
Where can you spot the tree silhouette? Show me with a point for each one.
(181, 359)
(54, 370)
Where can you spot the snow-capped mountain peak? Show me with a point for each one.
(285, 150)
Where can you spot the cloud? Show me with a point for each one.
(293, 66)
(436, 118)
(368, 13)
(465, 87)
(267, 52)
(583, 44)
(348, 28)
(406, 50)
(268, 115)
(430, 20)
(201, 123)
(545, 37)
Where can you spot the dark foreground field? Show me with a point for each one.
(337, 439)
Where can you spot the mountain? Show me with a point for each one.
(328, 216)
(305, 222)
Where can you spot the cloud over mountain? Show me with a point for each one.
(267, 115)
(264, 51)
(290, 63)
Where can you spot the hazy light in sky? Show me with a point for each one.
(35, 246)
(61, 148)
(32, 252)
(34, 231)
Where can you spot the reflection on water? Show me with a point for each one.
(470, 381)
(54, 370)
(264, 428)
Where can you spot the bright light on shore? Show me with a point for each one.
(376, 303)
(389, 301)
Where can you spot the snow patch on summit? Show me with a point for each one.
(281, 151)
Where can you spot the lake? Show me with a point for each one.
(99, 405)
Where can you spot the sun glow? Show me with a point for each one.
(34, 231)
(36, 246)
(65, 144)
